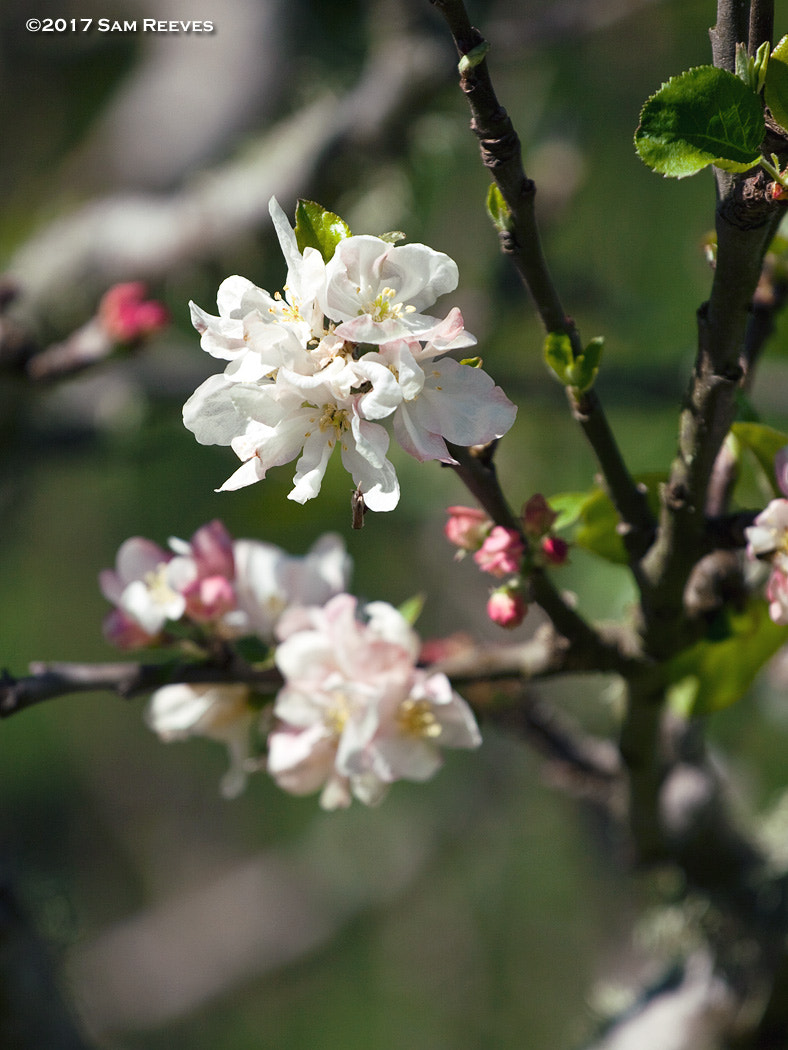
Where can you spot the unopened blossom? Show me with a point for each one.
(501, 553)
(355, 712)
(298, 382)
(466, 527)
(506, 606)
(538, 516)
(222, 712)
(126, 315)
(555, 550)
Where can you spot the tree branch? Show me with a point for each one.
(48, 681)
(502, 156)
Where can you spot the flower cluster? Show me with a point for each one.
(343, 348)
(355, 712)
(230, 587)
(767, 540)
(508, 553)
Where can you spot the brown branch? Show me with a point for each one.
(502, 156)
(48, 681)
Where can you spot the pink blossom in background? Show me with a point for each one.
(126, 315)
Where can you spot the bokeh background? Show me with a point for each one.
(482, 909)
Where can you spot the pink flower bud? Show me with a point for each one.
(507, 607)
(501, 552)
(212, 550)
(555, 550)
(538, 516)
(209, 598)
(466, 527)
(126, 316)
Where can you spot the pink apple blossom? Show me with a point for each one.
(506, 607)
(125, 314)
(355, 712)
(466, 527)
(501, 553)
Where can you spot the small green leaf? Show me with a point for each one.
(499, 210)
(586, 366)
(701, 117)
(317, 228)
(473, 58)
(576, 372)
(558, 355)
(752, 68)
(776, 89)
(764, 443)
(596, 519)
(712, 675)
(410, 609)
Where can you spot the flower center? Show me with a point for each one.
(415, 718)
(159, 587)
(333, 417)
(383, 306)
(337, 713)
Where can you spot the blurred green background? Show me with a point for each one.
(481, 909)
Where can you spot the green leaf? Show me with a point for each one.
(499, 210)
(776, 88)
(317, 228)
(558, 355)
(764, 443)
(712, 675)
(576, 372)
(596, 519)
(701, 117)
(410, 609)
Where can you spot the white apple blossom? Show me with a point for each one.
(767, 540)
(220, 712)
(141, 589)
(355, 712)
(298, 382)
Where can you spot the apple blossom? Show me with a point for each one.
(140, 588)
(767, 539)
(506, 607)
(221, 712)
(229, 588)
(501, 552)
(355, 712)
(298, 383)
(125, 315)
(467, 527)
